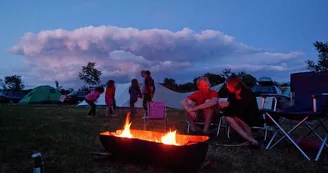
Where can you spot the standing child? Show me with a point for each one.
(91, 98)
(109, 97)
(135, 93)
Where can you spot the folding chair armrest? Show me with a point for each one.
(321, 94)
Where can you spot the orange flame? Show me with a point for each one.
(169, 138)
(126, 132)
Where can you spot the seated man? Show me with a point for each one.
(194, 105)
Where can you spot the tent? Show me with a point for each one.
(171, 98)
(41, 95)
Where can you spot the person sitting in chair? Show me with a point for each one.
(194, 104)
(242, 112)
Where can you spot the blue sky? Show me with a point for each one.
(280, 30)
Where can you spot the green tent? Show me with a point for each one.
(41, 95)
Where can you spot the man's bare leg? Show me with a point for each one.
(208, 113)
(233, 124)
(190, 117)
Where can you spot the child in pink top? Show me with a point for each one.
(91, 98)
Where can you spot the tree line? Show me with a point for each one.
(90, 75)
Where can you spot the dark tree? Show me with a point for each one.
(214, 79)
(3, 85)
(70, 89)
(170, 84)
(248, 79)
(322, 64)
(187, 87)
(14, 83)
(90, 75)
(226, 72)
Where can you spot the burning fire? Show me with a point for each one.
(169, 138)
(126, 132)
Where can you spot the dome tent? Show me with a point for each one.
(41, 95)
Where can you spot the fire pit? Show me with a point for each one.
(170, 150)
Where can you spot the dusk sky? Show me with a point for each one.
(44, 40)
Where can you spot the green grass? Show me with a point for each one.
(66, 137)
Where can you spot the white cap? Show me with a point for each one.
(36, 155)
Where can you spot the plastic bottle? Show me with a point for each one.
(38, 164)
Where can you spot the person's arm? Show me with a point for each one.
(190, 98)
(212, 102)
(139, 93)
(184, 104)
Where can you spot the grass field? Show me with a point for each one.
(66, 137)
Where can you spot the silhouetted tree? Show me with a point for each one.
(322, 64)
(248, 79)
(214, 79)
(3, 85)
(170, 84)
(226, 72)
(70, 90)
(90, 75)
(14, 83)
(187, 87)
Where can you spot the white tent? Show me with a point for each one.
(171, 98)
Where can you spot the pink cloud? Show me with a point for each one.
(123, 52)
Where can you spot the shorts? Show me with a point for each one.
(109, 101)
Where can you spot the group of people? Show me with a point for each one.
(135, 92)
(240, 111)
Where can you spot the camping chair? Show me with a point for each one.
(156, 111)
(263, 102)
(217, 121)
(303, 118)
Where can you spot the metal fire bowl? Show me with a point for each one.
(191, 155)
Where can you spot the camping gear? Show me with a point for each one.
(156, 111)
(306, 84)
(42, 95)
(303, 118)
(190, 154)
(38, 163)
